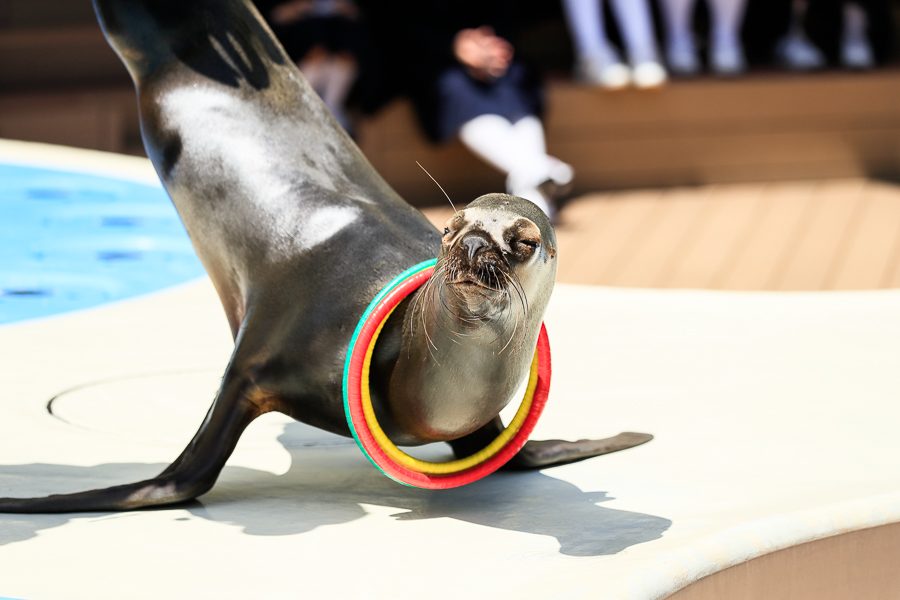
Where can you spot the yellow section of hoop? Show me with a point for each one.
(439, 468)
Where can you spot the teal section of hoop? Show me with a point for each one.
(362, 321)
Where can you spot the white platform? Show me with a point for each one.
(775, 418)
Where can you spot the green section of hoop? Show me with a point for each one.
(410, 272)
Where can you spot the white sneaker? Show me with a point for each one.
(857, 54)
(649, 74)
(797, 53)
(606, 71)
(553, 183)
(682, 59)
(727, 60)
(558, 184)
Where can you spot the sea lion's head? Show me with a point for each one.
(497, 261)
(471, 330)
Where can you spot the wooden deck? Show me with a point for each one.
(836, 234)
(757, 128)
(771, 181)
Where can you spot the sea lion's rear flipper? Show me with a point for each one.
(549, 453)
(537, 454)
(192, 474)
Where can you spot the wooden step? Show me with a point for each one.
(755, 128)
(100, 119)
(56, 57)
(822, 235)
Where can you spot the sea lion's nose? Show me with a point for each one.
(474, 244)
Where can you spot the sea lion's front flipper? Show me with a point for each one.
(537, 454)
(192, 474)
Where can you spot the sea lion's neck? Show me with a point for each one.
(455, 370)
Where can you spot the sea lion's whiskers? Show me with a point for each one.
(432, 347)
(523, 299)
(446, 195)
(442, 296)
(507, 315)
(418, 300)
(453, 273)
(514, 280)
(511, 336)
(492, 271)
(418, 306)
(430, 342)
(520, 291)
(517, 315)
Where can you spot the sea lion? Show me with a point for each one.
(298, 232)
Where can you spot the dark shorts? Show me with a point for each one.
(460, 98)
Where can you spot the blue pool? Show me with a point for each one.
(70, 241)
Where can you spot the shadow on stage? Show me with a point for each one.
(330, 483)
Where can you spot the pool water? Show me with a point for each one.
(71, 240)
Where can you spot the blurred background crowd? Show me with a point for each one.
(474, 69)
(724, 144)
(529, 95)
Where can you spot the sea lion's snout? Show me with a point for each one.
(474, 244)
(476, 258)
(484, 247)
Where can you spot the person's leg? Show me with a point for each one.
(540, 167)
(597, 60)
(879, 17)
(637, 33)
(489, 138)
(340, 73)
(497, 141)
(856, 52)
(585, 21)
(726, 52)
(681, 52)
(795, 50)
(312, 65)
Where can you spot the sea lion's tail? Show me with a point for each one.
(192, 474)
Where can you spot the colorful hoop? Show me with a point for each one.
(375, 444)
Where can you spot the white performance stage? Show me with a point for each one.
(775, 418)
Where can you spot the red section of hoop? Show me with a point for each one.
(364, 434)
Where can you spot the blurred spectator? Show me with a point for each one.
(856, 53)
(726, 55)
(324, 38)
(795, 50)
(457, 63)
(809, 34)
(598, 62)
(855, 34)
